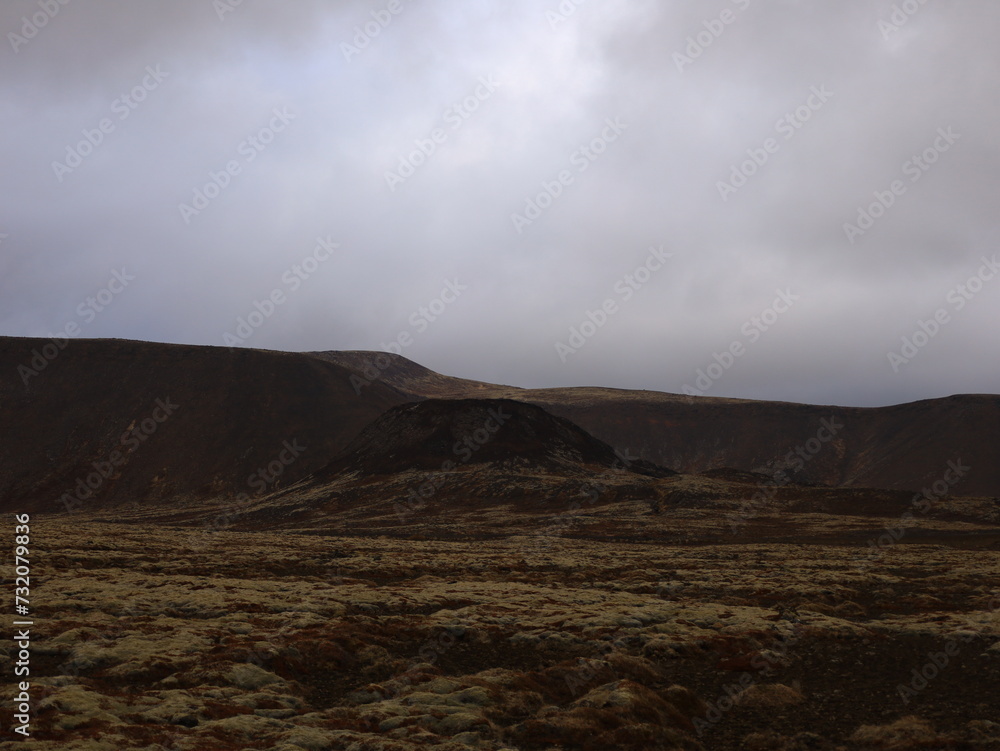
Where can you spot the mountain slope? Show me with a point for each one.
(503, 433)
(117, 422)
(906, 446)
(142, 421)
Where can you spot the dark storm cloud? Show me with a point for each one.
(531, 156)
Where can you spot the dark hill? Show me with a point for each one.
(902, 447)
(235, 410)
(90, 416)
(447, 433)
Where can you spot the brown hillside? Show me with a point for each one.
(906, 446)
(501, 432)
(235, 409)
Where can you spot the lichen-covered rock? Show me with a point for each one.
(581, 644)
(250, 677)
(907, 733)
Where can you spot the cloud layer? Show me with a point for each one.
(542, 194)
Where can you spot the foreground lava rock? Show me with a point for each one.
(152, 637)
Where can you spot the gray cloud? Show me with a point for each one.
(417, 86)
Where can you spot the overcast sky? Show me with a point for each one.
(169, 167)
